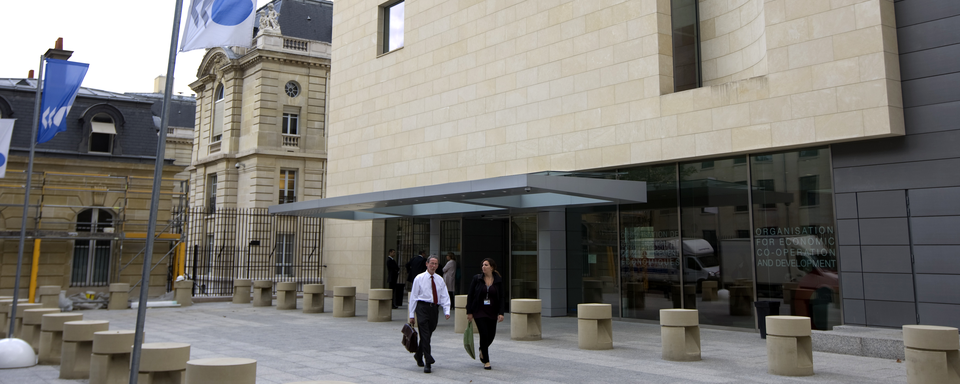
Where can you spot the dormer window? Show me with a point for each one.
(102, 132)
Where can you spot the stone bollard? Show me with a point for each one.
(232, 370)
(262, 293)
(932, 354)
(5, 306)
(680, 334)
(380, 305)
(525, 322)
(31, 326)
(595, 326)
(77, 347)
(708, 289)
(287, 295)
(460, 314)
(789, 346)
(313, 298)
(163, 363)
(119, 296)
(110, 361)
(17, 318)
(344, 301)
(689, 294)
(241, 291)
(182, 294)
(49, 296)
(51, 336)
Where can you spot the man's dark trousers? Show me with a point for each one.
(428, 314)
(397, 293)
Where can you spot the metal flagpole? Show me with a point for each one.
(26, 197)
(155, 198)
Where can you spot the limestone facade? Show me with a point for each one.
(484, 89)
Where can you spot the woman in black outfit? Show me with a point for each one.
(485, 304)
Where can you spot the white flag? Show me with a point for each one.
(218, 23)
(6, 132)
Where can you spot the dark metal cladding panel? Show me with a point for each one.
(937, 258)
(935, 202)
(852, 285)
(890, 314)
(890, 259)
(853, 312)
(882, 204)
(888, 286)
(946, 315)
(883, 232)
(938, 230)
(939, 289)
(921, 11)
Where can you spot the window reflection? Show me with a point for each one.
(592, 257)
(523, 252)
(795, 241)
(395, 27)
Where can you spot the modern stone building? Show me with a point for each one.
(90, 195)
(626, 152)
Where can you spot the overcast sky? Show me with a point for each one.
(126, 42)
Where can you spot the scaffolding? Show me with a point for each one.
(59, 200)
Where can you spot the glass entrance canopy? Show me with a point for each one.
(537, 190)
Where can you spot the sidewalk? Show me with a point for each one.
(292, 346)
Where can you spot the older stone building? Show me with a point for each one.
(261, 140)
(626, 152)
(90, 195)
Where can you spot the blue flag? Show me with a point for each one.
(218, 23)
(60, 86)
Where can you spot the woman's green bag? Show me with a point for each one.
(468, 340)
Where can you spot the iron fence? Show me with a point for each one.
(234, 243)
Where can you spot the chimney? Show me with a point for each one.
(30, 74)
(159, 84)
(57, 52)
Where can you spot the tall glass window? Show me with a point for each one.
(393, 26)
(794, 236)
(523, 256)
(713, 246)
(592, 257)
(288, 186)
(686, 44)
(649, 234)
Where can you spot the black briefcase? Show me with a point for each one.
(409, 340)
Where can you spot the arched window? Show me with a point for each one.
(91, 257)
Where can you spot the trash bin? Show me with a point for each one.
(764, 309)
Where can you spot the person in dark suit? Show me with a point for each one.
(486, 301)
(416, 266)
(393, 278)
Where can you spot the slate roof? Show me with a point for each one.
(304, 19)
(31, 85)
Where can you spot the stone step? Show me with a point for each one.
(885, 343)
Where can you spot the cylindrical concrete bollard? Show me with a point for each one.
(78, 346)
(313, 298)
(241, 291)
(380, 305)
(183, 294)
(262, 293)
(789, 346)
(287, 295)
(164, 362)
(49, 296)
(344, 301)
(525, 320)
(595, 326)
(680, 334)
(31, 326)
(119, 296)
(222, 370)
(51, 336)
(110, 360)
(460, 314)
(932, 354)
(17, 318)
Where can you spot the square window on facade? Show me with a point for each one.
(290, 124)
(809, 194)
(391, 17)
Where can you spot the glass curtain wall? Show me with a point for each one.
(794, 236)
(523, 257)
(592, 248)
(649, 234)
(715, 227)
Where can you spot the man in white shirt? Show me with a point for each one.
(427, 295)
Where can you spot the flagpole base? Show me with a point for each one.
(16, 353)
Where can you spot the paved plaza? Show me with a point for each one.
(292, 346)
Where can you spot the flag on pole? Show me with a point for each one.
(218, 23)
(61, 82)
(6, 132)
